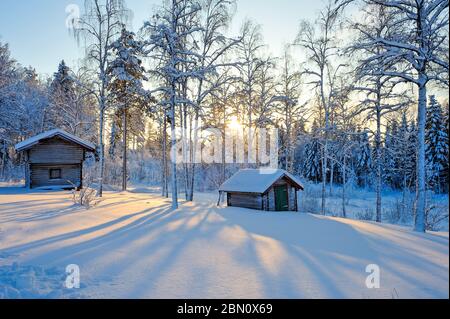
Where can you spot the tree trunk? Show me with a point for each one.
(185, 142)
(173, 150)
(324, 177)
(325, 147)
(331, 178)
(223, 154)
(344, 182)
(165, 191)
(419, 223)
(378, 164)
(101, 151)
(4, 159)
(405, 187)
(193, 158)
(124, 165)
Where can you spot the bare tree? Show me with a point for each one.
(288, 92)
(176, 63)
(319, 43)
(251, 64)
(379, 95)
(414, 53)
(99, 26)
(212, 48)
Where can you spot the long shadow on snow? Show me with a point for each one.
(317, 252)
(338, 247)
(71, 235)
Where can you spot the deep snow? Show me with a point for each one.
(255, 180)
(132, 245)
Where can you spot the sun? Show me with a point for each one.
(234, 123)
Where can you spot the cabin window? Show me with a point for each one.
(55, 173)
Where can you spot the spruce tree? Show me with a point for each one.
(363, 154)
(126, 75)
(390, 165)
(311, 167)
(436, 140)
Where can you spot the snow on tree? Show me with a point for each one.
(436, 140)
(405, 154)
(23, 104)
(7, 73)
(251, 65)
(363, 158)
(318, 40)
(175, 62)
(312, 163)
(212, 48)
(125, 86)
(378, 95)
(389, 169)
(415, 53)
(70, 104)
(288, 92)
(100, 25)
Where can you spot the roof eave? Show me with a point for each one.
(67, 138)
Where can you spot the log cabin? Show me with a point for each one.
(262, 189)
(54, 159)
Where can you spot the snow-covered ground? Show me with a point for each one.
(132, 245)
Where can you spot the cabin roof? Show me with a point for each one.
(257, 180)
(28, 143)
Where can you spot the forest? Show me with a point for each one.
(359, 99)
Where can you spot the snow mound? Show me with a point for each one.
(34, 282)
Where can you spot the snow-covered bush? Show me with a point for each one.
(12, 173)
(437, 217)
(393, 214)
(367, 214)
(401, 211)
(86, 196)
(310, 205)
(309, 200)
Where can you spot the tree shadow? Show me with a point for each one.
(339, 249)
(203, 251)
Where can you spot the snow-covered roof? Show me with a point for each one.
(256, 180)
(49, 134)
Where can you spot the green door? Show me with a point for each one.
(281, 198)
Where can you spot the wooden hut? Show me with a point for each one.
(262, 189)
(54, 159)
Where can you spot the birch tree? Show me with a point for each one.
(99, 26)
(319, 44)
(287, 98)
(175, 63)
(415, 54)
(378, 97)
(250, 65)
(212, 47)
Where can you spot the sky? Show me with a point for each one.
(37, 34)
